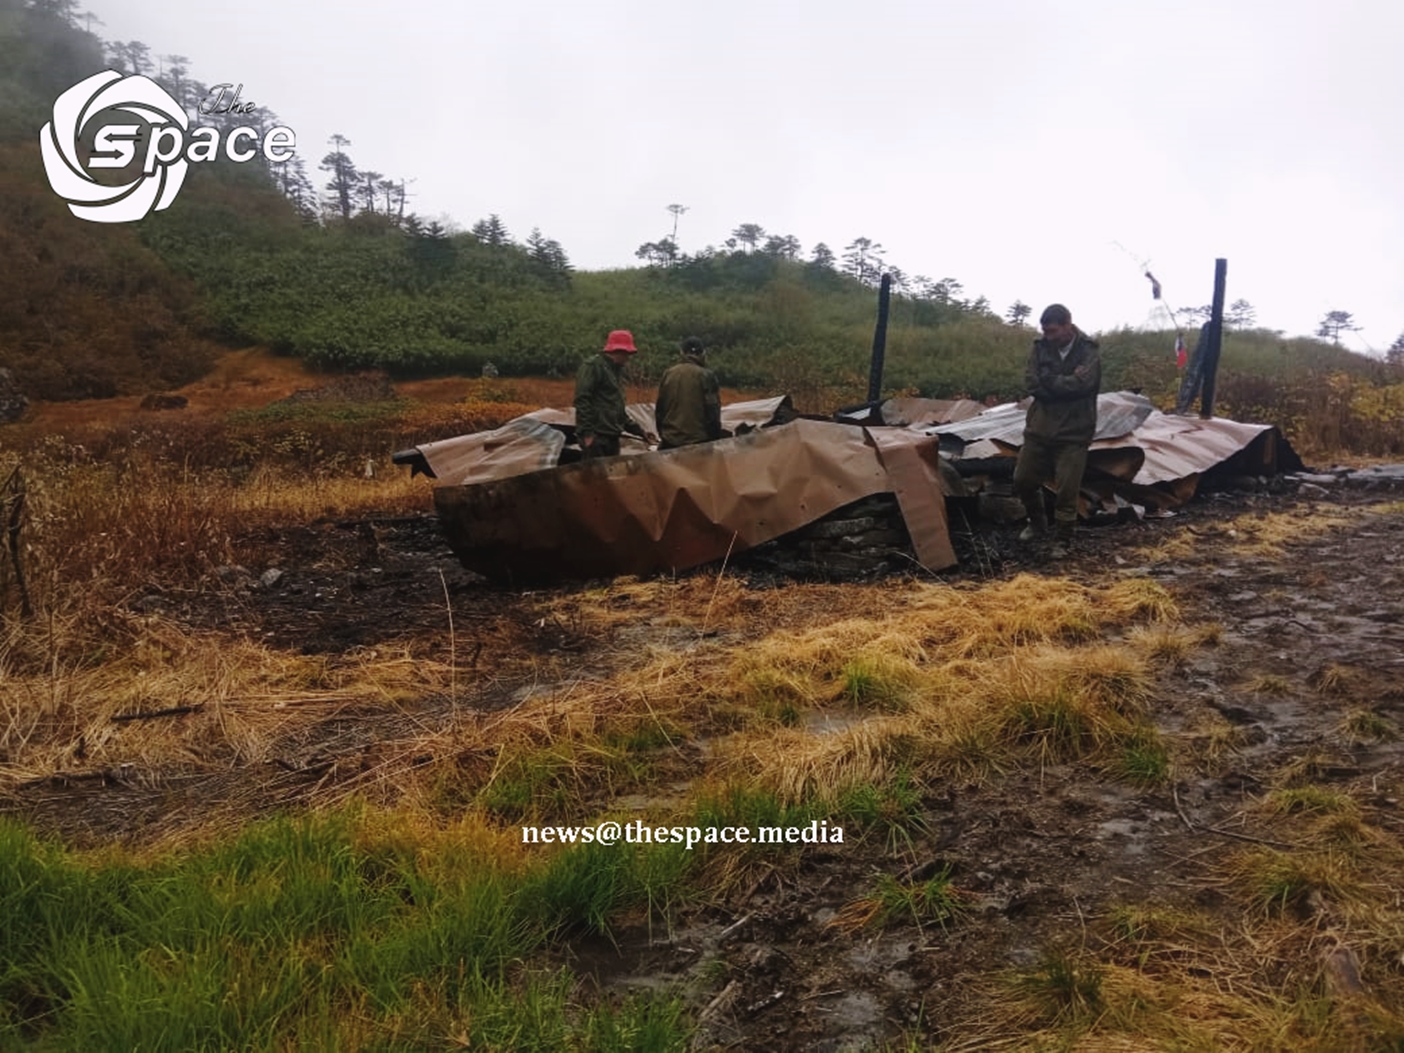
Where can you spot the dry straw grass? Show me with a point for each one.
(1250, 536)
(940, 679)
(1207, 996)
(1163, 976)
(245, 701)
(985, 675)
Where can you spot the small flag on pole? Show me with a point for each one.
(1155, 286)
(1180, 354)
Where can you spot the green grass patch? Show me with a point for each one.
(1276, 881)
(533, 785)
(933, 901)
(319, 933)
(892, 810)
(644, 735)
(1368, 726)
(1144, 758)
(1063, 988)
(554, 782)
(737, 804)
(871, 683)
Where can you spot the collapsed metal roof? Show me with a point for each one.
(518, 504)
(1137, 452)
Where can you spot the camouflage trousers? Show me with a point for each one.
(1061, 462)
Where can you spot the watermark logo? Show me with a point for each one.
(170, 146)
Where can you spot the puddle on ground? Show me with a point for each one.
(857, 1016)
(825, 722)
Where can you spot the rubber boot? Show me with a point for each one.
(1062, 544)
(1038, 523)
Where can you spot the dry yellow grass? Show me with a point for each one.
(967, 679)
(1209, 743)
(1162, 976)
(1251, 536)
(1212, 998)
(245, 699)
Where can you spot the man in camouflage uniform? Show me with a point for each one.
(599, 398)
(688, 409)
(1064, 376)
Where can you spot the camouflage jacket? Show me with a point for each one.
(689, 405)
(599, 400)
(1064, 391)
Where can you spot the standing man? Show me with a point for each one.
(1064, 375)
(600, 417)
(688, 409)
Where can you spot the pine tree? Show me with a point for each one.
(1240, 315)
(863, 260)
(1395, 355)
(343, 175)
(1335, 323)
(492, 231)
(749, 234)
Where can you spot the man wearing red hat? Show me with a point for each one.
(599, 398)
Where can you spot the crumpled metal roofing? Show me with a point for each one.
(675, 509)
(1118, 414)
(536, 440)
(1173, 447)
(511, 510)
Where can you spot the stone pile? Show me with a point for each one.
(862, 541)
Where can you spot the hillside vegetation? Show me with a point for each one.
(246, 257)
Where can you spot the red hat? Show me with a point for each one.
(621, 340)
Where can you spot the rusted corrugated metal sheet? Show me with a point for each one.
(513, 511)
(1179, 447)
(912, 412)
(537, 440)
(1172, 447)
(1118, 413)
(681, 508)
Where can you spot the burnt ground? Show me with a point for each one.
(1037, 856)
(1041, 855)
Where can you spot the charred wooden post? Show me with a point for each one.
(879, 340)
(1214, 342)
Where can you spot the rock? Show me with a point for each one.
(833, 528)
(1252, 484)
(150, 604)
(1386, 476)
(1001, 509)
(1312, 490)
(270, 577)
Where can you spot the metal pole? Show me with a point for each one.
(1216, 334)
(879, 340)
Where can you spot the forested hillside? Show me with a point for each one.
(343, 276)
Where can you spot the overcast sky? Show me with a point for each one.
(1035, 151)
